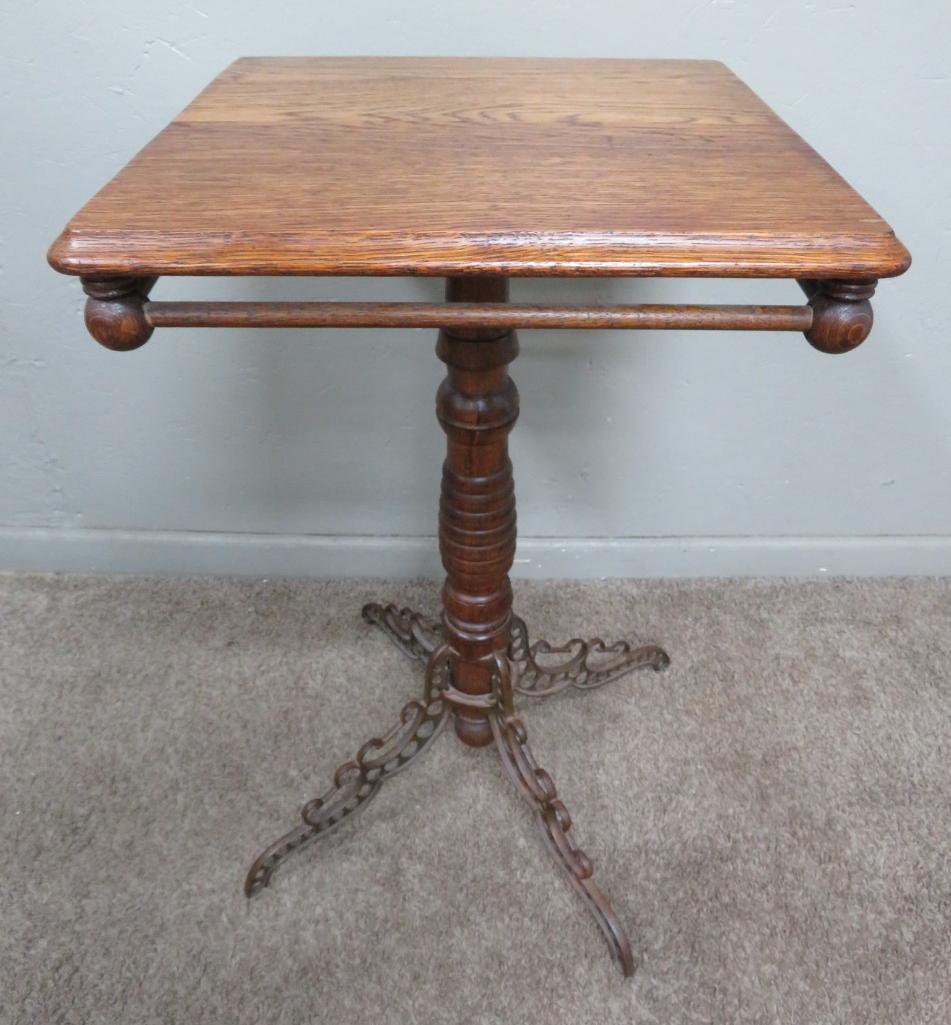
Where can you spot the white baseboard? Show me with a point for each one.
(265, 555)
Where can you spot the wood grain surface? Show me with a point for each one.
(459, 166)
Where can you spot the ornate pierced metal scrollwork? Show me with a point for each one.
(414, 634)
(356, 782)
(541, 669)
(589, 664)
(522, 668)
(538, 789)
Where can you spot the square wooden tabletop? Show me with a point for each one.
(446, 166)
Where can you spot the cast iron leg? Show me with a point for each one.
(537, 787)
(584, 665)
(358, 781)
(414, 634)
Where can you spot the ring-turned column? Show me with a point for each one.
(477, 405)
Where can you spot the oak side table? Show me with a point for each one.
(477, 171)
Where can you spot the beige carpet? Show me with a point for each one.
(772, 816)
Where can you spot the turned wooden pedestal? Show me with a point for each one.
(477, 405)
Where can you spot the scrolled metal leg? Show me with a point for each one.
(357, 782)
(584, 665)
(538, 789)
(412, 632)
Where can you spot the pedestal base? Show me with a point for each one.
(534, 670)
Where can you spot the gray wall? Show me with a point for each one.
(310, 452)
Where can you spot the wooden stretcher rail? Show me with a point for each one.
(120, 316)
(504, 316)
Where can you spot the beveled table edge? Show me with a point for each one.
(158, 253)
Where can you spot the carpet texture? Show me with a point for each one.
(771, 817)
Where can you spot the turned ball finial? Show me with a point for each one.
(115, 314)
(841, 314)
